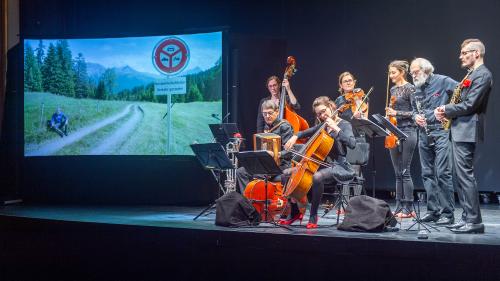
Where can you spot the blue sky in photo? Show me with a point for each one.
(136, 52)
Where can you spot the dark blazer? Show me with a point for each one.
(467, 123)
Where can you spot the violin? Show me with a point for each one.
(355, 99)
(286, 111)
(391, 141)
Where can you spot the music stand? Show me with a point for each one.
(212, 156)
(402, 138)
(260, 163)
(223, 133)
(373, 131)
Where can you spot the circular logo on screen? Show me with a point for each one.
(171, 56)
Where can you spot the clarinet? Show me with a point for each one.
(430, 139)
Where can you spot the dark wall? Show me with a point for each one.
(325, 37)
(364, 36)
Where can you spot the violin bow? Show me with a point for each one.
(364, 99)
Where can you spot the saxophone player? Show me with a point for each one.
(467, 115)
(433, 90)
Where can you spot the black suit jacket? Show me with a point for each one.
(468, 116)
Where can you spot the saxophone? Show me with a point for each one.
(455, 98)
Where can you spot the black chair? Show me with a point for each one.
(342, 192)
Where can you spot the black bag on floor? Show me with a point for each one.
(366, 214)
(235, 210)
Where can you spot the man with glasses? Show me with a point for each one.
(433, 90)
(467, 125)
(269, 112)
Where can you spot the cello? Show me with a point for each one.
(312, 157)
(286, 112)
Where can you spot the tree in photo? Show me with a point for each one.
(100, 92)
(109, 79)
(40, 53)
(82, 81)
(194, 94)
(52, 77)
(66, 63)
(32, 73)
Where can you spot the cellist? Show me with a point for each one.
(340, 170)
(401, 107)
(273, 85)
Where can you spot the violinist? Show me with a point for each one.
(351, 104)
(273, 85)
(353, 96)
(401, 155)
(340, 170)
(269, 112)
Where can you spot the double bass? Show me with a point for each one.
(286, 112)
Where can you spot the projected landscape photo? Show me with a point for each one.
(102, 96)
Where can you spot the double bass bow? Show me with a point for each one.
(286, 112)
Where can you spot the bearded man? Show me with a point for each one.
(434, 90)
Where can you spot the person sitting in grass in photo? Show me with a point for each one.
(59, 123)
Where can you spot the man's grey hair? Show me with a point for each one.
(269, 104)
(425, 65)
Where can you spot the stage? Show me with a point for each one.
(164, 243)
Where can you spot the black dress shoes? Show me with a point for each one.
(456, 225)
(445, 221)
(429, 218)
(469, 228)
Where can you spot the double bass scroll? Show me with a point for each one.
(286, 111)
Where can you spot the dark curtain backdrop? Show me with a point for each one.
(326, 37)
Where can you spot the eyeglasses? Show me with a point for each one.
(415, 73)
(347, 81)
(268, 113)
(463, 53)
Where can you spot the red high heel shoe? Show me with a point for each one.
(313, 222)
(299, 217)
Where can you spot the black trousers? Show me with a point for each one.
(466, 185)
(401, 157)
(243, 178)
(436, 172)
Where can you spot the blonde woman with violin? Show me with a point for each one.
(339, 169)
(400, 107)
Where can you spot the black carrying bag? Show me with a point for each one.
(234, 210)
(367, 214)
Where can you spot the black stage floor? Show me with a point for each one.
(141, 242)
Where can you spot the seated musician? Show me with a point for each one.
(273, 125)
(274, 86)
(340, 171)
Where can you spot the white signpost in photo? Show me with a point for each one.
(170, 57)
(169, 87)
